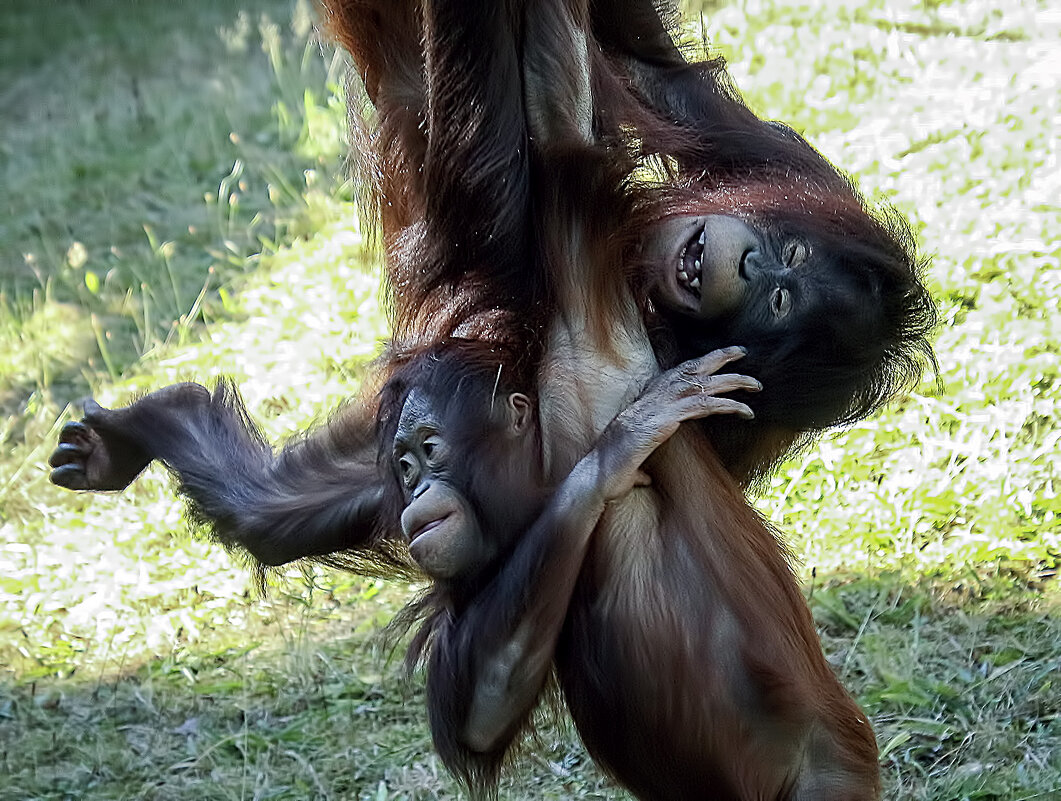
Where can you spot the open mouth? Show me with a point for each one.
(690, 263)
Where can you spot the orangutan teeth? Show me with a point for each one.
(690, 262)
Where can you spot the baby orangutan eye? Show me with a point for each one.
(780, 302)
(407, 468)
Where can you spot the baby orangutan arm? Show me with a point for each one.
(510, 631)
(317, 496)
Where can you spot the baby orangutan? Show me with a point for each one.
(460, 480)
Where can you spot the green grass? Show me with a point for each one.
(173, 207)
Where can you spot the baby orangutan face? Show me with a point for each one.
(465, 481)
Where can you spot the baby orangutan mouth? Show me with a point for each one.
(429, 526)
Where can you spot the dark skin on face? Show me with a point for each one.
(446, 535)
(710, 266)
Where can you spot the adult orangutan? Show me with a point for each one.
(746, 234)
(689, 660)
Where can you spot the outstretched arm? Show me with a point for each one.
(486, 673)
(317, 496)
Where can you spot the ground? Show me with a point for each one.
(175, 206)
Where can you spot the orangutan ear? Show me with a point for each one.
(519, 413)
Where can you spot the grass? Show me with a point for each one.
(174, 208)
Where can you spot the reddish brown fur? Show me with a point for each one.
(688, 657)
(714, 156)
(713, 590)
(687, 609)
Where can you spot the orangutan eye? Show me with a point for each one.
(433, 448)
(780, 302)
(795, 254)
(407, 468)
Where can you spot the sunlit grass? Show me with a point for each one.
(175, 208)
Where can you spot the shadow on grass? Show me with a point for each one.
(963, 693)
